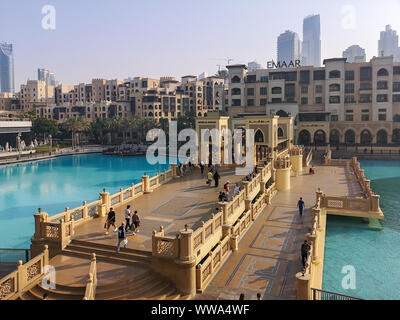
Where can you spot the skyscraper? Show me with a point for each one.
(388, 45)
(311, 49)
(288, 46)
(253, 66)
(6, 68)
(355, 54)
(46, 76)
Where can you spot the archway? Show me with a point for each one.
(280, 133)
(320, 137)
(365, 137)
(382, 137)
(334, 138)
(304, 138)
(259, 137)
(350, 137)
(396, 136)
(282, 114)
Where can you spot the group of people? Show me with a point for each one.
(224, 195)
(123, 229)
(213, 174)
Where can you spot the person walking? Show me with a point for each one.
(305, 248)
(121, 236)
(300, 204)
(128, 217)
(202, 165)
(209, 178)
(135, 222)
(216, 178)
(110, 220)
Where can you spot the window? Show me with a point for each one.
(318, 89)
(264, 79)
(382, 85)
(291, 76)
(276, 100)
(349, 88)
(263, 91)
(334, 118)
(382, 98)
(335, 74)
(276, 90)
(396, 86)
(396, 70)
(263, 102)
(383, 73)
(250, 102)
(365, 98)
(318, 100)
(349, 117)
(365, 86)
(334, 88)
(365, 74)
(319, 75)
(236, 92)
(349, 75)
(304, 89)
(349, 99)
(396, 98)
(382, 117)
(304, 100)
(250, 91)
(334, 99)
(235, 79)
(236, 102)
(305, 76)
(365, 117)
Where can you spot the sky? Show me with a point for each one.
(153, 38)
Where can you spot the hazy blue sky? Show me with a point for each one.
(124, 38)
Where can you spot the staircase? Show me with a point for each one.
(147, 285)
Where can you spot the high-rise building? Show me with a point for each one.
(288, 47)
(6, 68)
(355, 54)
(311, 48)
(47, 76)
(254, 66)
(388, 45)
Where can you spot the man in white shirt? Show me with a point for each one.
(236, 191)
(128, 217)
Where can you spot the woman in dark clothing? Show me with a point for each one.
(216, 178)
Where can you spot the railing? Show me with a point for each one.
(91, 284)
(164, 246)
(14, 255)
(26, 275)
(326, 295)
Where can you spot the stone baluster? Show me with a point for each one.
(67, 215)
(84, 210)
(132, 190)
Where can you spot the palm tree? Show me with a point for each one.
(75, 125)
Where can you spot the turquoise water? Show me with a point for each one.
(58, 183)
(375, 254)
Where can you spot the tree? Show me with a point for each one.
(75, 125)
(44, 126)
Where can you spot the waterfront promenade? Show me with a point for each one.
(182, 201)
(269, 254)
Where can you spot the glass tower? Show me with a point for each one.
(288, 47)
(6, 68)
(311, 49)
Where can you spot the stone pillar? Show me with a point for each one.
(40, 217)
(174, 167)
(283, 179)
(246, 188)
(224, 208)
(85, 210)
(297, 163)
(303, 282)
(312, 239)
(67, 215)
(105, 199)
(235, 242)
(247, 204)
(374, 200)
(186, 263)
(146, 184)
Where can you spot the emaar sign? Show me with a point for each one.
(283, 64)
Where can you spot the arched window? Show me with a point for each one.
(382, 137)
(396, 136)
(334, 87)
(205, 114)
(199, 114)
(259, 137)
(150, 107)
(366, 137)
(276, 90)
(235, 79)
(282, 114)
(320, 137)
(383, 72)
(236, 92)
(304, 138)
(150, 114)
(280, 133)
(334, 137)
(396, 118)
(350, 137)
(335, 74)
